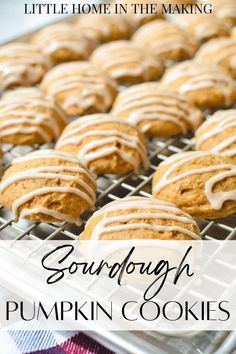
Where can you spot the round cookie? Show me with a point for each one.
(139, 14)
(224, 10)
(157, 110)
(218, 134)
(47, 186)
(221, 51)
(80, 88)
(127, 62)
(21, 64)
(63, 42)
(203, 27)
(104, 144)
(166, 40)
(207, 85)
(140, 218)
(105, 28)
(29, 117)
(203, 184)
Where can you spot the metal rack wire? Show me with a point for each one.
(110, 188)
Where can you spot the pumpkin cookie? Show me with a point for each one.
(207, 85)
(166, 40)
(218, 133)
(221, 51)
(104, 144)
(47, 186)
(63, 42)
(140, 218)
(21, 64)
(80, 88)
(127, 62)
(105, 28)
(203, 184)
(29, 117)
(157, 110)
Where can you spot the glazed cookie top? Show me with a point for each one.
(224, 10)
(98, 136)
(196, 78)
(47, 182)
(140, 218)
(221, 51)
(150, 104)
(126, 61)
(202, 183)
(21, 64)
(77, 86)
(166, 40)
(218, 133)
(27, 116)
(105, 28)
(63, 42)
(203, 27)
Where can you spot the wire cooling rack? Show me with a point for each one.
(111, 188)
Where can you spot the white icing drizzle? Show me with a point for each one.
(18, 64)
(219, 122)
(124, 58)
(83, 190)
(98, 148)
(27, 111)
(152, 102)
(89, 86)
(62, 36)
(199, 75)
(139, 208)
(163, 37)
(216, 199)
(218, 50)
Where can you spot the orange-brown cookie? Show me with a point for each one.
(233, 32)
(221, 51)
(141, 12)
(224, 10)
(157, 110)
(218, 134)
(166, 40)
(29, 117)
(80, 88)
(105, 28)
(104, 144)
(63, 42)
(202, 184)
(203, 27)
(21, 64)
(207, 85)
(127, 62)
(47, 186)
(140, 218)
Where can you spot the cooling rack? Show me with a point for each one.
(110, 188)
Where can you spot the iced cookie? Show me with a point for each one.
(140, 218)
(80, 88)
(63, 42)
(166, 40)
(28, 117)
(224, 10)
(47, 186)
(127, 62)
(207, 85)
(221, 51)
(21, 64)
(218, 134)
(203, 184)
(157, 110)
(104, 144)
